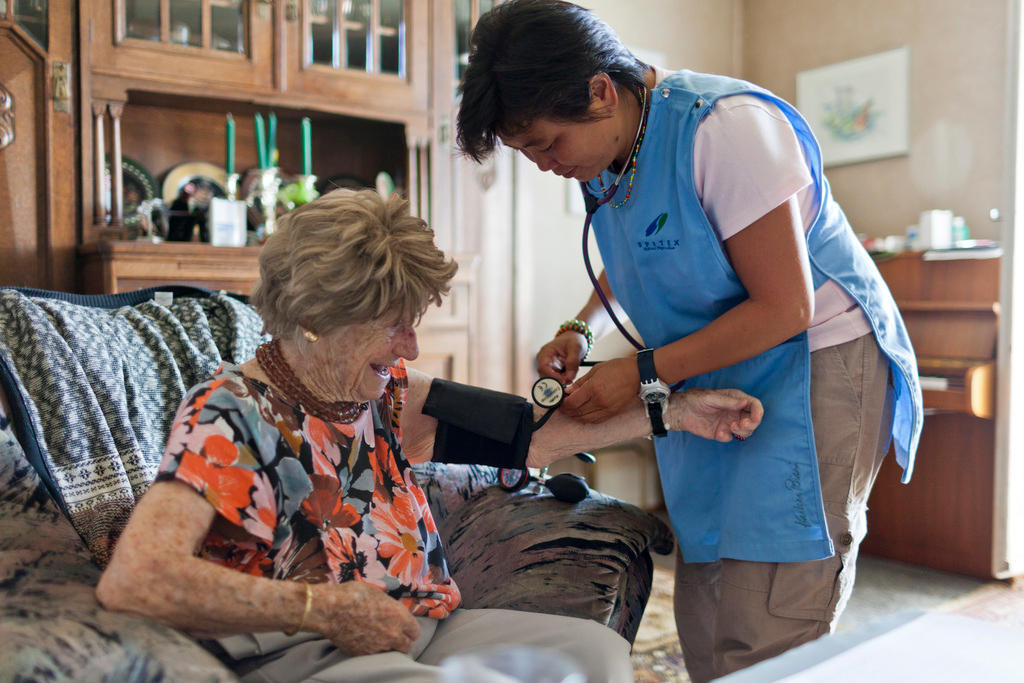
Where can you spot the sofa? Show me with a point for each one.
(90, 385)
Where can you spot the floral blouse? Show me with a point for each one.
(299, 497)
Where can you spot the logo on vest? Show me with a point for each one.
(794, 485)
(651, 244)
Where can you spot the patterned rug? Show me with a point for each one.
(657, 656)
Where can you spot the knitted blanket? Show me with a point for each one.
(93, 391)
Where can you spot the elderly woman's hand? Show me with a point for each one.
(361, 619)
(718, 414)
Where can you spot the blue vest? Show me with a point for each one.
(759, 499)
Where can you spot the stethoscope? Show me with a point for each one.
(591, 204)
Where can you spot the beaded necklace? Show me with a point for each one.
(641, 129)
(273, 363)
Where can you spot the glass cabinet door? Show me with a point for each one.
(224, 43)
(31, 15)
(467, 12)
(209, 24)
(362, 50)
(358, 35)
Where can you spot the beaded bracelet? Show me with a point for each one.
(577, 325)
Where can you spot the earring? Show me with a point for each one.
(311, 336)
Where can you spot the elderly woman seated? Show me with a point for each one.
(286, 521)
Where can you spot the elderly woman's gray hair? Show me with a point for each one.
(349, 257)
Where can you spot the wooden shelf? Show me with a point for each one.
(943, 518)
(118, 266)
(972, 385)
(949, 306)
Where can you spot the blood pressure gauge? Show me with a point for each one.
(547, 392)
(512, 479)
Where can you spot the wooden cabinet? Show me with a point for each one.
(944, 517)
(158, 78)
(151, 88)
(360, 57)
(38, 119)
(111, 266)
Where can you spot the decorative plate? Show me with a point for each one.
(138, 187)
(194, 172)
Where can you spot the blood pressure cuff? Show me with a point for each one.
(478, 426)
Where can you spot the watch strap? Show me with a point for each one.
(656, 418)
(645, 362)
(649, 374)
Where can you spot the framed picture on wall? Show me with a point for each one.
(858, 109)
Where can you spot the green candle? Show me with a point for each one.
(272, 139)
(229, 144)
(307, 151)
(261, 142)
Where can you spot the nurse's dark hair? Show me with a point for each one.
(533, 59)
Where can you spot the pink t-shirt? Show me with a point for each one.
(747, 161)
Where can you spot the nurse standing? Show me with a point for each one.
(725, 247)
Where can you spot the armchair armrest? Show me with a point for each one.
(528, 551)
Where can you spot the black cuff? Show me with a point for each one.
(478, 426)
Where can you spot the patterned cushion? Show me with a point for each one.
(51, 626)
(528, 551)
(93, 391)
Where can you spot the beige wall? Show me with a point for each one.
(958, 71)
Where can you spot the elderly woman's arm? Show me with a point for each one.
(718, 414)
(155, 573)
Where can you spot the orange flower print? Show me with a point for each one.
(419, 500)
(261, 516)
(188, 412)
(325, 506)
(220, 450)
(399, 538)
(387, 479)
(226, 488)
(353, 557)
(324, 440)
(448, 598)
(326, 434)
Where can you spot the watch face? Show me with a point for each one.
(654, 396)
(547, 392)
(512, 480)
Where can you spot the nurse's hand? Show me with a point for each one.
(609, 388)
(560, 358)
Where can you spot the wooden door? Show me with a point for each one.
(37, 124)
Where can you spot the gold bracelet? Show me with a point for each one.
(305, 612)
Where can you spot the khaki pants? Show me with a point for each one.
(598, 651)
(731, 614)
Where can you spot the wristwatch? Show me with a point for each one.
(653, 392)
